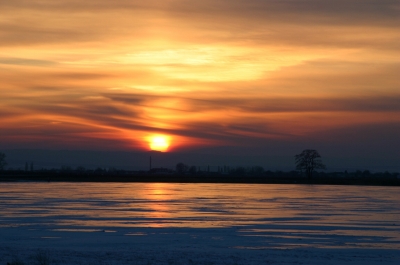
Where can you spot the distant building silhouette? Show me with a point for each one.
(161, 171)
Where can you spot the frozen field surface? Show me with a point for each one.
(158, 223)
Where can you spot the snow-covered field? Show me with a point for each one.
(156, 223)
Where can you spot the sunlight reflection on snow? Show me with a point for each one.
(272, 216)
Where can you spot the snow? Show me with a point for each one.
(179, 246)
(34, 231)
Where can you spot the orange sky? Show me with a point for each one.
(110, 74)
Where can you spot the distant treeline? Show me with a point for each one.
(254, 174)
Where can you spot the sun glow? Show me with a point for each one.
(159, 142)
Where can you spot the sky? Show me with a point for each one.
(243, 77)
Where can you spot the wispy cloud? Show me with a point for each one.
(25, 61)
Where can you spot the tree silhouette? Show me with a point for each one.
(3, 162)
(181, 168)
(309, 160)
(193, 170)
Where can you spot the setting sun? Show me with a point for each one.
(159, 142)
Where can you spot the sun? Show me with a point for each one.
(159, 142)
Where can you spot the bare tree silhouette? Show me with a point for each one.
(181, 168)
(193, 170)
(309, 160)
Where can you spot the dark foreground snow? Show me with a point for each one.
(159, 246)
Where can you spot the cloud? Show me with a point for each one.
(388, 103)
(25, 61)
(232, 72)
(309, 22)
